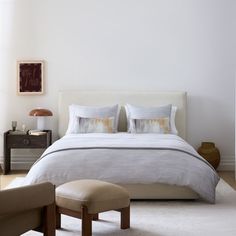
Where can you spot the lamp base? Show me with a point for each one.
(40, 123)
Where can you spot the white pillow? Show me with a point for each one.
(173, 128)
(76, 111)
(138, 112)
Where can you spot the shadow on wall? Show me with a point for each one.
(14, 45)
(209, 118)
(7, 15)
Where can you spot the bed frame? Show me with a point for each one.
(144, 98)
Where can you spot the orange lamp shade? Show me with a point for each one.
(40, 112)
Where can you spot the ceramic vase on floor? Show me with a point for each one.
(210, 152)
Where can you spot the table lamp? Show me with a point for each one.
(41, 114)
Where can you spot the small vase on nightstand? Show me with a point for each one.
(211, 153)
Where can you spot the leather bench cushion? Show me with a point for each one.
(97, 196)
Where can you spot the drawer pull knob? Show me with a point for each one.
(26, 141)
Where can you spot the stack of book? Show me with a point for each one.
(36, 132)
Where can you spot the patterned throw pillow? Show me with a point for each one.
(76, 111)
(145, 113)
(96, 125)
(158, 125)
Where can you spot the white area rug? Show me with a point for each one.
(166, 218)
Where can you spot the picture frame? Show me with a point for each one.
(30, 77)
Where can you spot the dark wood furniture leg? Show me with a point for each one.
(49, 227)
(87, 218)
(7, 161)
(125, 218)
(58, 218)
(7, 156)
(86, 222)
(95, 217)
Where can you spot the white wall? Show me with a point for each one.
(125, 44)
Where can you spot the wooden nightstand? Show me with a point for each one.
(23, 141)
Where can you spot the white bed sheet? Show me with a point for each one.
(126, 158)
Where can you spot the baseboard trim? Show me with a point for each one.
(227, 163)
(23, 162)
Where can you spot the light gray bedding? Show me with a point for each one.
(125, 158)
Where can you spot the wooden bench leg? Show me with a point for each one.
(125, 218)
(49, 228)
(86, 222)
(58, 219)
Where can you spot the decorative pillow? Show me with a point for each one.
(76, 111)
(159, 125)
(138, 112)
(96, 125)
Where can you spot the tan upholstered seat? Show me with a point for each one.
(88, 198)
(97, 196)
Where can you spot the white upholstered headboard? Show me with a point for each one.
(104, 98)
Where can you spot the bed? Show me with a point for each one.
(121, 158)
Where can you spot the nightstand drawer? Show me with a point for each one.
(26, 141)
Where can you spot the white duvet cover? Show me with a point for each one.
(126, 158)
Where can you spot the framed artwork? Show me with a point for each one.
(30, 77)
